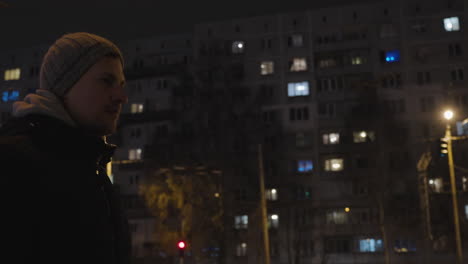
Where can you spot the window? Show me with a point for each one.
(296, 40)
(238, 47)
(395, 106)
(134, 154)
(331, 138)
(240, 194)
(391, 80)
(457, 74)
(338, 245)
(419, 27)
(326, 109)
(241, 250)
(436, 185)
(466, 211)
(267, 43)
(388, 31)
(136, 108)
(271, 194)
(304, 166)
(392, 56)
(241, 221)
(334, 164)
(10, 96)
(404, 246)
(363, 136)
(337, 217)
(370, 245)
(357, 60)
(330, 84)
(134, 179)
(269, 116)
(273, 221)
(267, 67)
(298, 64)
(161, 130)
(298, 89)
(361, 216)
(451, 24)
(454, 50)
(300, 140)
(299, 114)
(427, 103)
(12, 74)
(302, 192)
(327, 63)
(423, 78)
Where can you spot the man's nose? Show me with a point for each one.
(120, 95)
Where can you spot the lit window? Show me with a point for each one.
(326, 63)
(271, 194)
(334, 165)
(238, 47)
(297, 40)
(331, 138)
(370, 245)
(392, 56)
(436, 185)
(267, 67)
(12, 74)
(466, 211)
(451, 24)
(298, 64)
(404, 246)
(337, 217)
(136, 108)
(10, 96)
(241, 221)
(357, 60)
(304, 166)
(273, 221)
(363, 136)
(298, 89)
(134, 154)
(241, 250)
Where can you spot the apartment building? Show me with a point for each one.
(343, 100)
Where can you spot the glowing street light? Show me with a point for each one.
(448, 115)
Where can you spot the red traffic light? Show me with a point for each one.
(181, 244)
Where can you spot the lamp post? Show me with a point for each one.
(448, 115)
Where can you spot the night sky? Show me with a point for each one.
(26, 23)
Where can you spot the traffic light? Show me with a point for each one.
(181, 245)
(443, 147)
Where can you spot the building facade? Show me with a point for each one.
(343, 101)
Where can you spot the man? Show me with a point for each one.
(58, 205)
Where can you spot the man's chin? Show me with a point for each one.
(103, 130)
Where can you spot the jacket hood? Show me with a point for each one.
(43, 102)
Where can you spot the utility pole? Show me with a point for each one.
(448, 139)
(263, 207)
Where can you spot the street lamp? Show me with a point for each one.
(448, 115)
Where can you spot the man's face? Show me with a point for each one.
(95, 101)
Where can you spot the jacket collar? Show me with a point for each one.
(56, 136)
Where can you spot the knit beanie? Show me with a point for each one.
(70, 57)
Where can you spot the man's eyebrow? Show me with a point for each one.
(109, 74)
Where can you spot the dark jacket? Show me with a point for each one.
(58, 205)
